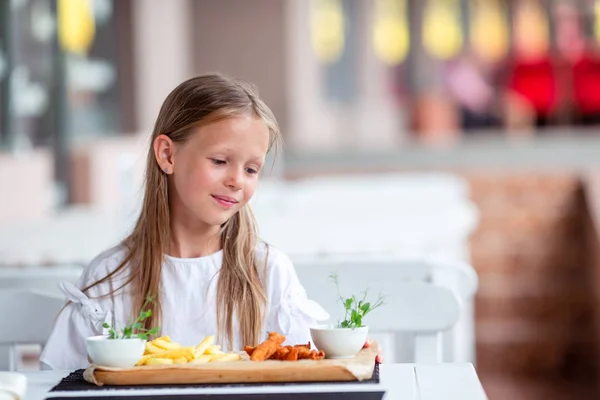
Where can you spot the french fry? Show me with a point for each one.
(204, 345)
(163, 344)
(162, 351)
(159, 361)
(152, 349)
(201, 359)
(214, 350)
(187, 352)
(225, 357)
(143, 360)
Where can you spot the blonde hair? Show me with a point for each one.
(240, 292)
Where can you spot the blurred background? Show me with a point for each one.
(485, 113)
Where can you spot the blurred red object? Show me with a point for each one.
(535, 81)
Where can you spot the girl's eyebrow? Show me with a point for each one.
(257, 160)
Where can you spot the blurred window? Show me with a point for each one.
(87, 74)
(334, 30)
(92, 71)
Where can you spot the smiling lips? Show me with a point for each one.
(225, 201)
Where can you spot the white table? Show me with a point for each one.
(400, 381)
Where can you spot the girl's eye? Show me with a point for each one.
(251, 171)
(217, 161)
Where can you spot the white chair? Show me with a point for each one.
(401, 214)
(41, 278)
(377, 274)
(74, 236)
(27, 318)
(421, 309)
(396, 233)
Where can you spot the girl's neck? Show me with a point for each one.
(193, 243)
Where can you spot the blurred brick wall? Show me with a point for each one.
(534, 309)
(591, 181)
(537, 254)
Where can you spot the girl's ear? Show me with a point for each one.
(164, 153)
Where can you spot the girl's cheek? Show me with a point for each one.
(208, 175)
(250, 192)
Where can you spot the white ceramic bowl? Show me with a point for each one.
(116, 353)
(339, 342)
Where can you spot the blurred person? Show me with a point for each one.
(208, 146)
(531, 88)
(578, 67)
(470, 81)
(555, 87)
(531, 92)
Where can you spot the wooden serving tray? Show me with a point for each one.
(358, 368)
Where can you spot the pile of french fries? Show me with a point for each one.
(162, 351)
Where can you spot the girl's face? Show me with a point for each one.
(214, 173)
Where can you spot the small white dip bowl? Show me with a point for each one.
(339, 342)
(116, 353)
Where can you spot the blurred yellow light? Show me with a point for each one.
(76, 26)
(391, 37)
(442, 33)
(597, 20)
(328, 35)
(489, 30)
(531, 28)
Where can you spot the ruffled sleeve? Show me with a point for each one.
(293, 313)
(83, 317)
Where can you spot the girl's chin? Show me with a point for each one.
(217, 221)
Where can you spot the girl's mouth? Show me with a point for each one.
(225, 201)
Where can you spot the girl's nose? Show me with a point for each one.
(235, 180)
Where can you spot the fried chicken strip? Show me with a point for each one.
(267, 348)
(249, 349)
(289, 353)
(306, 346)
(292, 355)
(281, 353)
(306, 354)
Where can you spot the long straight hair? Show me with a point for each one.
(240, 292)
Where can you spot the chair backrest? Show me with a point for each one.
(27, 315)
(318, 193)
(403, 232)
(456, 275)
(423, 214)
(27, 318)
(44, 279)
(411, 304)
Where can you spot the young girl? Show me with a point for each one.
(195, 246)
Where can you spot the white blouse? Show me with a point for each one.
(188, 298)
